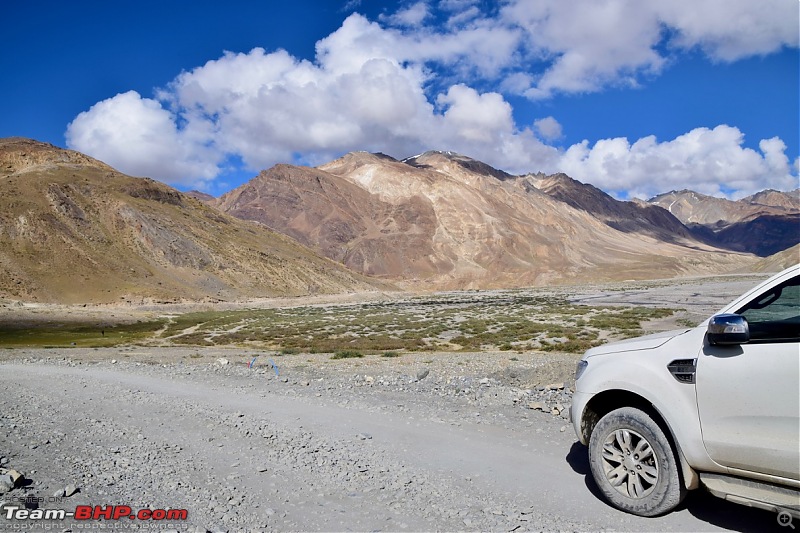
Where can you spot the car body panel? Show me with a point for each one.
(646, 342)
(645, 373)
(741, 415)
(749, 398)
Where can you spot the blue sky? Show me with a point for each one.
(636, 97)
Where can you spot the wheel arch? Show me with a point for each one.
(605, 402)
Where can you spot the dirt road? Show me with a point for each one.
(414, 443)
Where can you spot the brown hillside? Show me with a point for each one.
(340, 220)
(441, 220)
(694, 208)
(637, 217)
(787, 200)
(73, 229)
(763, 224)
(777, 262)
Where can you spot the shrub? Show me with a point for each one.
(347, 354)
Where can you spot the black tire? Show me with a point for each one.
(634, 464)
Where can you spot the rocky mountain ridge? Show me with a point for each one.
(442, 220)
(73, 229)
(765, 223)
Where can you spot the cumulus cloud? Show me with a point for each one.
(140, 136)
(403, 87)
(730, 30)
(709, 161)
(589, 45)
(362, 93)
(548, 128)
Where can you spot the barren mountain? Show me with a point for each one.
(203, 197)
(446, 221)
(624, 216)
(764, 223)
(777, 262)
(72, 229)
(695, 208)
(788, 200)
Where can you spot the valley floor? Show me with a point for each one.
(247, 440)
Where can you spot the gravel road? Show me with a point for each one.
(322, 446)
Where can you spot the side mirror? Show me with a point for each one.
(728, 329)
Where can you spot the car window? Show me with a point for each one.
(775, 315)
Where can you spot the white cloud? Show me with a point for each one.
(357, 41)
(729, 30)
(362, 93)
(709, 161)
(413, 15)
(404, 89)
(463, 17)
(140, 136)
(476, 117)
(548, 128)
(589, 45)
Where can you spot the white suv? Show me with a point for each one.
(717, 406)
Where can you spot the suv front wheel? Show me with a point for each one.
(633, 463)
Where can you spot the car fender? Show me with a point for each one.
(674, 401)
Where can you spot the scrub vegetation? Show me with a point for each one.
(513, 320)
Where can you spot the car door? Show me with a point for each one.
(749, 395)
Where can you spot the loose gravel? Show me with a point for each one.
(126, 445)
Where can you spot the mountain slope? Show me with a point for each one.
(442, 220)
(694, 208)
(623, 216)
(787, 200)
(764, 223)
(777, 262)
(339, 219)
(73, 229)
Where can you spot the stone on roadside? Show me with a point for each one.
(555, 386)
(6, 483)
(422, 374)
(222, 361)
(536, 405)
(15, 476)
(70, 489)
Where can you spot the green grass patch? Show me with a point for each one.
(347, 354)
(77, 335)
